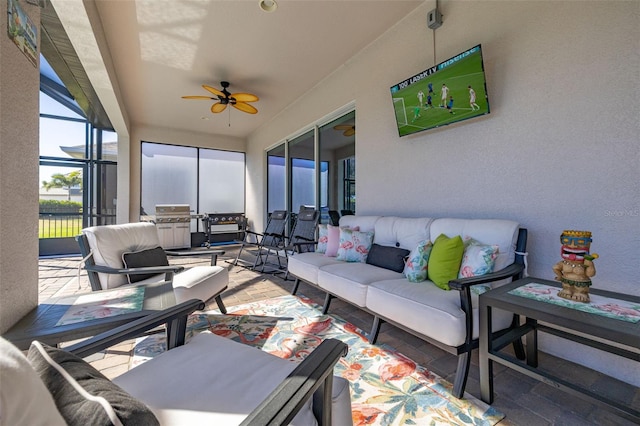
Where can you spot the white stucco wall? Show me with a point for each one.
(560, 149)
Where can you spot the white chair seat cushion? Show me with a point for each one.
(350, 280)
(200, 282)
(306, 265)
(174, 387)
(427, 309)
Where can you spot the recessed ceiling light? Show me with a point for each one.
(268, 5)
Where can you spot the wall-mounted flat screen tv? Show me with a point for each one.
(452, 91)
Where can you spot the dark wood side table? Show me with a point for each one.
(608, 334)
(40, 323)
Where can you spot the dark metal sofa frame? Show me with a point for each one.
(463, 286)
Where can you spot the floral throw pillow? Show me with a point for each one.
(478, 259)
(323, 238)
(354, 245)
(415, 269)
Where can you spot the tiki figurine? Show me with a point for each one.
(576, 268)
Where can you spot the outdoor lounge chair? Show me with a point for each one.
(301, 240)
(273, 236)
(209, 380)
(130, 254)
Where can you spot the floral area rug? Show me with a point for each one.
(387, 388)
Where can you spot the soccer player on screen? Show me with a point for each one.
(416, 112)
(430, 86)
(421, 98)
(450, 105)
(429, 104)
(444, 93)
(472, 99)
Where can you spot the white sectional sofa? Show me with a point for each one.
(448, 319)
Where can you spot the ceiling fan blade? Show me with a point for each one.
(199, 97)
(214, 90)
(245, 97)
(218, 107)
(350, 132)
(342, 127)
(245, 107)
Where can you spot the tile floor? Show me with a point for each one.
(523, 400)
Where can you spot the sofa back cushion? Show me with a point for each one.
(402, 232)
(365, 223)
(503, 233)
(109, 242)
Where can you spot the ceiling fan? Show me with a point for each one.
(224, 98)
(349, 129)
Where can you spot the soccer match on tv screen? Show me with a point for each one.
(452, 91)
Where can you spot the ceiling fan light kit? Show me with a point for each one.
(224, 98)
(268, 5)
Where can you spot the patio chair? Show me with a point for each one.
(273, 236)
(209, 380)
(334, 216)
(130, 254)
(301, 239)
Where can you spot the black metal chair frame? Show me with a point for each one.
(313, 374)
(302, 238)
(273, 236)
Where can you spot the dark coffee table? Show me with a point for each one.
(607, 334)
(41, 323)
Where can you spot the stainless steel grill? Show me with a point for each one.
(173, 222)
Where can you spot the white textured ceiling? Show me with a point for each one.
(163, 49)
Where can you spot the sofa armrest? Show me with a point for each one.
(510, 271)
(175, 318)
(281, 406)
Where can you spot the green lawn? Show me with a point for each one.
(59, 227)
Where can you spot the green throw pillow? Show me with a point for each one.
(445, 260)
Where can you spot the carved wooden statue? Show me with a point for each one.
(576, 268)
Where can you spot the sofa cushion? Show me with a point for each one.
(416, 266)
(350, 281)
(503, 233)
(402, 232)
(24, 399)
(392, 258)
(445, 259)
(306, 265)
(109, 242)
(478, 259)
(354, 245)
(428, 310)
(178, 393)
(83, 395)
(147, 257)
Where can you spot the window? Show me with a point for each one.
(316, 173)
(209, 180)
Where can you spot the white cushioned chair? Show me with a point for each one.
(130, 254)
(209, 380)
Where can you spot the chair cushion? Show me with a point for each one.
(82, 394)
(109, 242)
(148, 257)
(306, 265)
(175, 387)
(391, 258)
(24, 399)
(200, 282)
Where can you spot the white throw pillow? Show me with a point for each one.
(24, 399)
